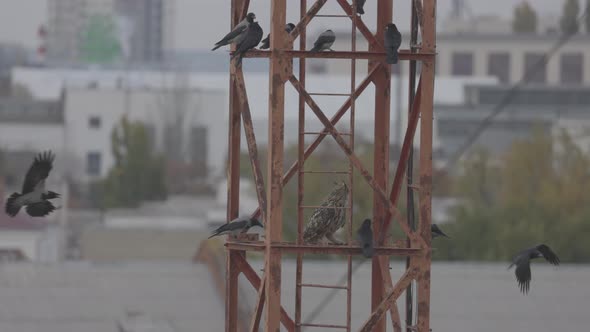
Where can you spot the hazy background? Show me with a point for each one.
(135, 106)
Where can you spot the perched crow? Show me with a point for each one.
(328, 218)
(252, 37)
(523, 264)
(238, 32)
(236, 226)
(365, 236)
(359, 6)
(393, 40)
(266, 41)
(324, 41)
(34, 196)
(437, 231)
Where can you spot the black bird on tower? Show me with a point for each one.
(359, 6)
(236, 226)
(365, 237)
(324, 41)
(523, 264)
(251, 39)
(392, 42)
(266, 41)
(237, 33)
(33, 195)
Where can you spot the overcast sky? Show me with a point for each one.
(200, 23)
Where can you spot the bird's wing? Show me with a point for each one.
(252, 38)
(40, 209)
(233, 34)
(265, 43)
(523, 274)
(549, 255)
(38, 172)
(324, 38)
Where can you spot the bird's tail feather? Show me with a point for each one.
(368, 250)
(12, 205)
(216, 47)
(392, 58)
(315, 49)
(214, 234)
(238, 60)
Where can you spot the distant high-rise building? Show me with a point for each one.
(138, 28)
(144, 25)
(67, 21)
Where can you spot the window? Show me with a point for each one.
(499, 66)
(93, 163)
(462, 64)
(94, 122)
(535, 68)
(572, 68)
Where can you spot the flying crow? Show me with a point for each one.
(359, 6)
(238, 32)
(436, 231)
(392, 42)
(236, 226)
(365, 236)
(33, 195)
(523, 264)
(324, 41)
(266, 41)
(252, 37)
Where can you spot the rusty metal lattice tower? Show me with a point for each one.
(384, 290)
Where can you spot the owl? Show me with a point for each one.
(325, 221)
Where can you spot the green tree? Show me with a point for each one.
(534, 194)
(569, 19)
(99, 40)
(524, 19)
(137, 175)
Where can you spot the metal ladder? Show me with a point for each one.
(299, 325)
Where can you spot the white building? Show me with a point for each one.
(91, 115)
(506, 56)
(95, 93)
(94, 101)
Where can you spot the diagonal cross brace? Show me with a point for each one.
(254, 279)
(255, 322)
(371, 39)
(357, 92)
(404, 156)
(354, 159)
(313, 10)
(390, 298)
(251, 140)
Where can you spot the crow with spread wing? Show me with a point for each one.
(33, 195)
(238, 32)
(523, 264)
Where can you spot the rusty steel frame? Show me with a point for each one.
(418, 251)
